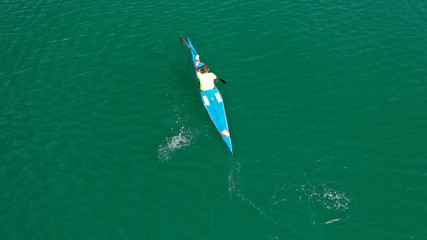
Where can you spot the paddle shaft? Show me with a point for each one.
(188, 45)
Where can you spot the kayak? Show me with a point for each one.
(214, 104)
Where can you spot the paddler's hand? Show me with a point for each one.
(197, 57)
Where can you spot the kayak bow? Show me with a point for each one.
(214, 104)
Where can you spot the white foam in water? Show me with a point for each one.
(322, 195)
(329, 202)
(329, 198)
(235, 189)
(234, 184)
(333, 220)
(171, 144)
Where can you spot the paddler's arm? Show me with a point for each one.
(197, 61)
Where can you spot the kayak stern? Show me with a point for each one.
(227, 141)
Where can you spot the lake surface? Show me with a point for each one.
(104, 135)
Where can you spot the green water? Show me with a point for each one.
(104, 136)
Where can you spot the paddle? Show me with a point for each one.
(221, 81)
(188, 45)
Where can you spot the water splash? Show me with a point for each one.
(329, 198)
(171, 144)
(329, 203)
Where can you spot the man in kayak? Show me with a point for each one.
(206, 78)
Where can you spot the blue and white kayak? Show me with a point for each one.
(214, 104)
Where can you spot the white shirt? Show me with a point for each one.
(206, 81)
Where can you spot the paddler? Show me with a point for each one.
(206, 78)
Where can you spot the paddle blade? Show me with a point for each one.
(183, 41)
(221, 81)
